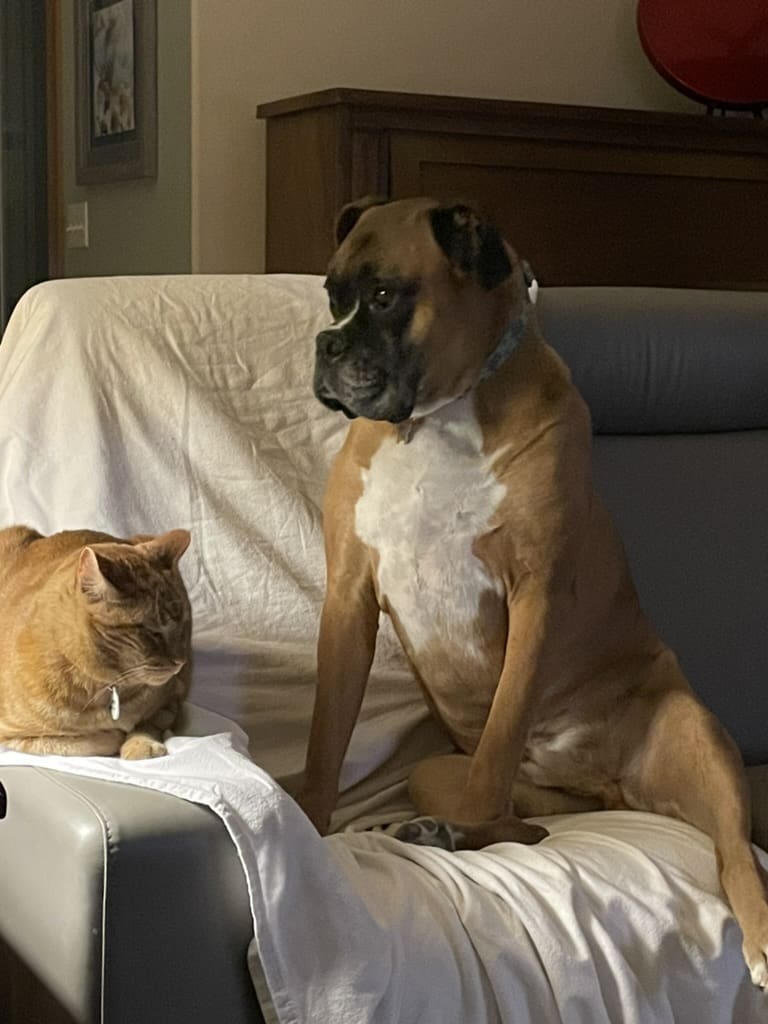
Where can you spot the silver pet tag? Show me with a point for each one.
(114, 703)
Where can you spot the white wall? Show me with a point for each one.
(245, 52)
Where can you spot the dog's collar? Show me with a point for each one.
(515, 329)
(508, 342)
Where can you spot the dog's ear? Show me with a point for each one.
(473, 246)
(350, 214)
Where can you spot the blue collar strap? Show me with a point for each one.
(515, 329)
(510, 339)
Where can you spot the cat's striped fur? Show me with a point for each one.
(94, 641)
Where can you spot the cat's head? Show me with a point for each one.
(136, 609)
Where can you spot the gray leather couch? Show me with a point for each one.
(124, 906)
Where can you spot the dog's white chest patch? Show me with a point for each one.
(423, 505)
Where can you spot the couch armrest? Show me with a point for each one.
(126, 904)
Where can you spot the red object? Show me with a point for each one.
(715, 51)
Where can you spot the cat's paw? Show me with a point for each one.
(141, 748)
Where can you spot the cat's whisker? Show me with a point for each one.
(122, 677)
(126, 675)
(98, 693)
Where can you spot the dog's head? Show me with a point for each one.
(420, 294)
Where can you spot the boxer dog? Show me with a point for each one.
(461, 504)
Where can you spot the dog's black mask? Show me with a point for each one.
(365, 364)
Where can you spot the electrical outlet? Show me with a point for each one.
(76, 228)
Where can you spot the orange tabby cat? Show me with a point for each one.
(94, 641)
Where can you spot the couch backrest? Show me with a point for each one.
(677, 381)
(137, 404)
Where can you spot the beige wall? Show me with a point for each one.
(245, 52)
(138, 226)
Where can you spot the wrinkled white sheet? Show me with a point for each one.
(139, 404)
(136, 405)
(615, 918)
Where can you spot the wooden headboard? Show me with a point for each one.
(589, 195)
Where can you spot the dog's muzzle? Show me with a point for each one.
(378, 382)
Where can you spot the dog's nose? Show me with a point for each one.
(332, 344)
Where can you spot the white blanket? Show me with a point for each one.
(616, 918)
(137, 405)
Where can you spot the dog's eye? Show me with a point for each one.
(383, 299)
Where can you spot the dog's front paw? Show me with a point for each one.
(316, 807)
(141, 748)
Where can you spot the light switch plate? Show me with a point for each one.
(76, 228)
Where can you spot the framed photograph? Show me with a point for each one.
(115, 90)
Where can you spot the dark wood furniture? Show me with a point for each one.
(589, 195)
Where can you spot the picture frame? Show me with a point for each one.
(115, 90)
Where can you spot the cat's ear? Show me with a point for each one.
(168, 548)
(91, 580)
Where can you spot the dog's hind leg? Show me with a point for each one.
(435, 786)
(531, 801)
(687, 766)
